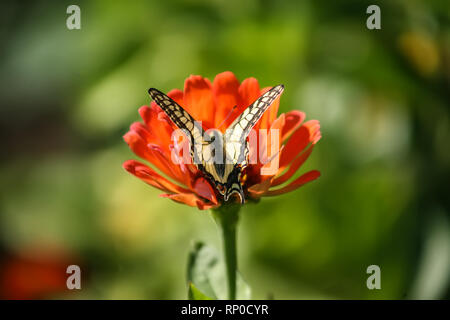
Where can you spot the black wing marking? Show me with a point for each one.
(182, 120)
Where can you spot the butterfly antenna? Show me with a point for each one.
(226, 118)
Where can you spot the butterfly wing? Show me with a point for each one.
(239, 130)
(241, 127)
(182, 120)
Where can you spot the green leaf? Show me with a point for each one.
(206, 271)
(196, 294)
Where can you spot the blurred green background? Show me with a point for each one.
(382, 97)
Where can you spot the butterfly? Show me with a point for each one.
(220, 157)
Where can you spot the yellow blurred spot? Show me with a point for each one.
(421, 51)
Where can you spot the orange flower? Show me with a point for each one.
(211, 103)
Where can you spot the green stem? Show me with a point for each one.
(227, 217)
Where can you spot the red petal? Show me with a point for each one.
(188, 198)
(278, 124)
(175, 169)
(295, 165)
(313, 127)
(271, 113)
(146, 114)
(307, 177)
(159, 132)
(199, 100)
(226, 95)
(293, 120)
(249, 91)
(148, 175)
(141, 130)
(258, 190)
(141, 149)
(203, 188)
(177, 95)
(138, 145)
(265, 145)
(296, 143)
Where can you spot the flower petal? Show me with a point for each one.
(151, 177)
(199, 100)
(314, 130)
(159, 132)
(177, 95)
(307, 133)
(226, 95)
(258, 190)
(203, 188)
(307, 177)
(271, 113)
(293, 120)
(295, 165)
(174, 169)
(266, 154)
(137, 145)
(190, 199)
(141, 130)
(141, 149)
(249, 91)
(146, 114)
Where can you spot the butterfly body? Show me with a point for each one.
(221, 157)
(219, 164)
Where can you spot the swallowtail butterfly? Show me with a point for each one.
(224, 167)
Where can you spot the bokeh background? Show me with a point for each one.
(382, 97)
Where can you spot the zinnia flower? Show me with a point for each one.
(212, 104)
